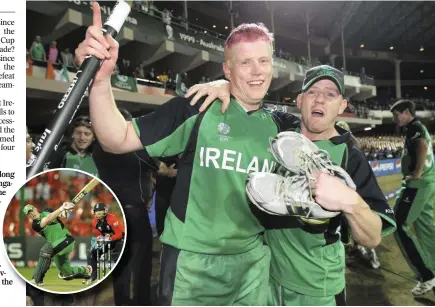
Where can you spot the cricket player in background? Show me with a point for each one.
(78, 154)
(414, 205)
(105, 225)
(58, 246)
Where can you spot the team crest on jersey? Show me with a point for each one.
(223, 128)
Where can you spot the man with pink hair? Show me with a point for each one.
(212, 253)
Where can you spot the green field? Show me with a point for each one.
(390, 183)
(53, 283)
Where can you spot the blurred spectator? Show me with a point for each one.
(182, 84)
(163, 77)
(142, 5)
(152, 9)
(167, 18)
(42, 190)
(171, 80)
(140, 71)
(203, 80)
(129, 69)
(37, 51)
(152, 75)
(116, 70)
(124, 68)
(53, 52)
(183, 22)
(67, 58)
(29, 146)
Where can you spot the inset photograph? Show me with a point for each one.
(64, 231)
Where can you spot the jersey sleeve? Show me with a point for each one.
(36, 226)
(165, 132)
(367, 187)
(117, 227)
(285, 121)
(415, 132)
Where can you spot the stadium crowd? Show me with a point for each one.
(379, 104)
(167, 78)
(382, 147)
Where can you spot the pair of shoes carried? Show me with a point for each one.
(290, 193)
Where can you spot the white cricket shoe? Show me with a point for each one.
(280, 195)
(301, 156)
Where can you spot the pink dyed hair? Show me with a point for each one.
(249, 32)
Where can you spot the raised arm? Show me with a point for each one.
(55, 214)
(114, 133)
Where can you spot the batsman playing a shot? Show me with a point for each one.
(106, 225)
(58, 246)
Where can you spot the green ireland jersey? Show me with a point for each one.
(54, 232)
(84, 163)
(415, 130)
(209, 210)
(310, 259)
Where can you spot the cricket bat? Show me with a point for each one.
(86, 189)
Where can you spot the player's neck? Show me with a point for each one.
(248, 107)
(81, 152)
(409, 121)
(325, 135)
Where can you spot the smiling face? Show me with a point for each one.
(320, 105)
(248, 67)
(82, 138)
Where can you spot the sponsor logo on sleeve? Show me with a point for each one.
(415, 136)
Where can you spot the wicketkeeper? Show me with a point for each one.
(109, 226)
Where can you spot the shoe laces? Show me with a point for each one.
(319, 160)
(287, 187)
